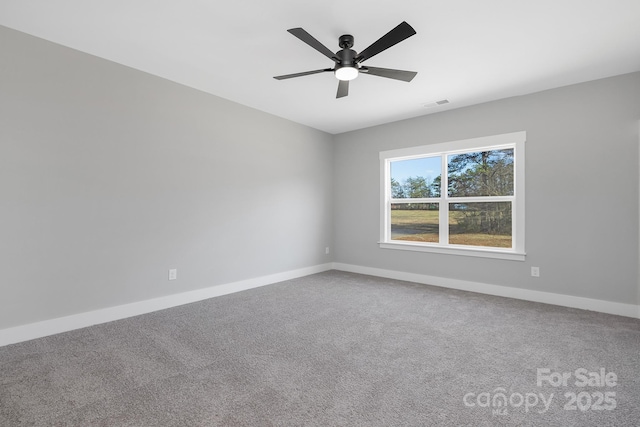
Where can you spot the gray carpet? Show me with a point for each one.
(332, 349)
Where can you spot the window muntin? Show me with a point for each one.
(481, 212)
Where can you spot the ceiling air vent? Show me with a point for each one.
(435, 103)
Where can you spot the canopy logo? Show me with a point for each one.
(499, 401)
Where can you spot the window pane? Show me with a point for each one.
(416, 222)
(481, 173)
(416, 178)
(480, 224)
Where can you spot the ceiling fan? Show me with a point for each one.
(347, 61)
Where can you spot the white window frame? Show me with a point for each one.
(515, 140)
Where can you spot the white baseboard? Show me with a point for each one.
(620, 309)
(76, 321)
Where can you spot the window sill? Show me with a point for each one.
(455, 250)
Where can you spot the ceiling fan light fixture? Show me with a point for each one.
(346, 73)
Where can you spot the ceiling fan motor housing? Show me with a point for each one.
(346, 56)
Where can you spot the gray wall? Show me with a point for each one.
(110, 176)
(581, 190)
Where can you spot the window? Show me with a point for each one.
(461, 197)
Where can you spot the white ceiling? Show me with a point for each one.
(466, 51)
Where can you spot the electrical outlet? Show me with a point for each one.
(326, 250)
(173, 274)
(535, 271)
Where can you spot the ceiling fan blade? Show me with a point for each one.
(389, 73)
(393, 37)
(305, 73)
(311, 41)
(343, 88)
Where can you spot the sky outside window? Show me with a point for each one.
(426, 167)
